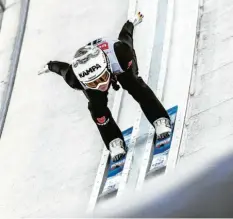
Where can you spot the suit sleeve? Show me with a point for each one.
(124, 49)
(126, 34)
(65, 70)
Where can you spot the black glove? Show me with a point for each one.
(115, 86)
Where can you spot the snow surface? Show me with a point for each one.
(8, 33)
(209, 119)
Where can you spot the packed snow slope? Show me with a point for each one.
(209, 113)
(50, 148)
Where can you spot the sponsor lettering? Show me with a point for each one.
(103, 46)
(158, 163)
(163, 142)
(118, 164)
(111, 187)
(90, 70)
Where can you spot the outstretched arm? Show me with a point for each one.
(61, 68)
(126, 34)
(124, 49)
(65, 70)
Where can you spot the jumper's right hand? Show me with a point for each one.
(44, 70)
(137, 19)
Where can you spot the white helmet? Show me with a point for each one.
(90, 66)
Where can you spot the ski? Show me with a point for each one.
(155, 157)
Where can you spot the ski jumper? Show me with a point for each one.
(124, 68)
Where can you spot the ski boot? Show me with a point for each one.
(163, 128)
(117, 149)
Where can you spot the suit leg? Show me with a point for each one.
(102, 116)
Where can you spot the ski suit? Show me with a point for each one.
(125, 71)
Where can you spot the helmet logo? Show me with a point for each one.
(90, 70)
(82, 52)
